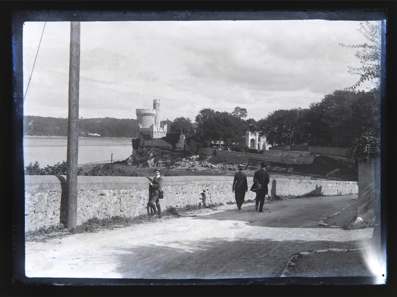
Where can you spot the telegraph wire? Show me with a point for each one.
(34, 61)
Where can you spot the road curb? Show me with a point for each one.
(293, 259)
(322, 222)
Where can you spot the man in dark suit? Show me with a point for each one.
(240, 186)
(261, 181)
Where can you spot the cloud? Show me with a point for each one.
(260, 65)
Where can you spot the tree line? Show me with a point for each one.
(339, 119)
(106, 127)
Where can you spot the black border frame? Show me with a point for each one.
(11, 113)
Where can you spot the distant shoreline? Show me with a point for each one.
(81, 136)
(97, 127)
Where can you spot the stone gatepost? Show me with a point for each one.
(273, 191)
(367, 154)
(368, 204)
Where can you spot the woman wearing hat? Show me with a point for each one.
(155, 192)
(240, 186)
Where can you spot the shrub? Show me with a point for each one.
(366, 146)
(59, 168)
(33, 169)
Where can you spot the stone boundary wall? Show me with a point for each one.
(329, 150)
(299, 186)
(108, 196)
(271, 156)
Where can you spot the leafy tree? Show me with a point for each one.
(214, 125)
(182, 125)
(342, 117)
(207, 126)
(240, 112)
(285, 127)
(232, 128)
(367, 111)
(252, 124)
(334, 119)
(369, 54)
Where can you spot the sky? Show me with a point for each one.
(189, 65)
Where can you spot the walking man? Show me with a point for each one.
(155, 192)
(260, 186)
(240, 186)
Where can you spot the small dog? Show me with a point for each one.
(203, 199)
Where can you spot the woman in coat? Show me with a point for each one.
(155, 193)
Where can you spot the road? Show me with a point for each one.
(207, 243)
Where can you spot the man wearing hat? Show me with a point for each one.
(260, 186)
(240, 186)
(155, 192)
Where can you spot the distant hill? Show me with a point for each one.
(106, 127)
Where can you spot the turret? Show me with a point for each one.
(156, 104)
(156, 109)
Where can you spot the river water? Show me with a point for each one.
(49, 150)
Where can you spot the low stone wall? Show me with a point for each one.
(329, 150)
(271, 156)
(107, 196)
(298, 187)
(42, 201)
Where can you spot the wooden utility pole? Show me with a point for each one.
(73, 126)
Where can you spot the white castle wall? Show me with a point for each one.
(149, 121)
(260, 141)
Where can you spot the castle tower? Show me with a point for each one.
(149, 121)
(145, 118)
(156, 109)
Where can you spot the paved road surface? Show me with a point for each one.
(221, 243)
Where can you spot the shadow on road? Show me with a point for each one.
(219, 259)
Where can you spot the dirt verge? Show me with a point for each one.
(95, 224)
(327, 263)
